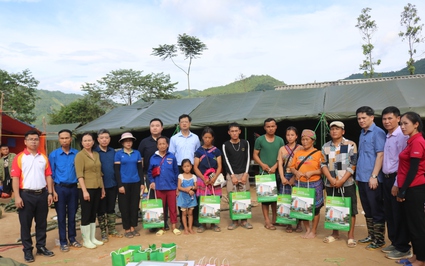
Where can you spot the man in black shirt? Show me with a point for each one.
(236, 162)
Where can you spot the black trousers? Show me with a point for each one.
(414, 218)
(107, 204)
(372, 202)
(89, 208)
(397, 232)
(35, 207)
(129, 204)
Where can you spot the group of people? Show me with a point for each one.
(388, 170)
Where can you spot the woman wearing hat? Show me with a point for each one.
(129, 175)
(306, 169)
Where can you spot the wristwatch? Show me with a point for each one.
(374, 176)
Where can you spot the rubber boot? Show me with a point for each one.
(92, 234)
(111, 226)
(85, 233)
(102, 225)
(370, 238)
(379, 234)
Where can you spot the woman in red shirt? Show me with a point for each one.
(411, 181)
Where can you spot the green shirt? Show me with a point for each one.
(268, 150)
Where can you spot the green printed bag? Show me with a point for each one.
(284, 209)
(240, 205)
(152, 213)
(124, 255)
(209, 209)
(302, 203)
(167, 252)
(338, 213)
(266, 188)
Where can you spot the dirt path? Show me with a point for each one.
(258, 246)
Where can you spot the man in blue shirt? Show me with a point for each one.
(107, 204)
(65, 191)
(183, 145)
(370, 177)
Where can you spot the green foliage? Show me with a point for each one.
(367, 28)
(190, 46)
(80, 111)
(19, 92)
(252, 83)
(128, 86)
(419, 66)
(49, 101)
(410, 21)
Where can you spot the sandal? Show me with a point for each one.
(200, 229)
(351, 243)
(129, 234)
(160, 232)
(177, 232)
(330, 239)
(76, 244)
(299, 229)
(135, 233)
(247, 225)
(232, 226)
(216, 228)
(289, 229)
(402, 261)
(270, 227)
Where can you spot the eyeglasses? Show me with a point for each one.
(33, 140)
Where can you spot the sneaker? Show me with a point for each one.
(388, 249)
(396, 255)
(365, 240)
(374, 246)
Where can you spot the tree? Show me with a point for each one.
(128, 86)
(80, 111)
(20, 94)
(367, 28)
(410, 21)
(190, 46)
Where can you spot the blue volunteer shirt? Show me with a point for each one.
(62, 165)
(107, 159)
(370, 143)
(129, 168)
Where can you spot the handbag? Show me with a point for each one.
(220, 181)
(240, 205)
(209, 208)
(210, 173)
(338, 212)
(156, 171)
(265, 186)
(302, 202)
(152, 212)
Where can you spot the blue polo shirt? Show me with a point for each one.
(107, 160)
(370, 143)
(62, 165)
(184, 147)
(129, 168)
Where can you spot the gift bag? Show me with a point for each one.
(266, 188)
(167, 252)
(302, 203)
(209, 208)
(124, 255)
(139, 255)
(338, 213)
(152, 212)
(284, 209)
(240, 205)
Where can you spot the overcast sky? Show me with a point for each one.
(66, 43)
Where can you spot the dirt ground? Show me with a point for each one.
(258, 246)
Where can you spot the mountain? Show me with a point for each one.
(49, 101)
(419, 65)
(252, 83)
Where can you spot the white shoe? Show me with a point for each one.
(85, 232)
(92, 233)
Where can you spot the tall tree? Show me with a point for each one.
(367, 27)
(128, 85)
(410, 21)
(190, 46)
(20, 94)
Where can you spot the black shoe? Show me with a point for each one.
(28, 256)
(45, 252)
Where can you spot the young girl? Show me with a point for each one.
(186, 199)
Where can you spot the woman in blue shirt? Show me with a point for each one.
(129, 175)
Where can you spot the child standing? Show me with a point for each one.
(186, 199)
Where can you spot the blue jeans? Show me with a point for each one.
(66, 205)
